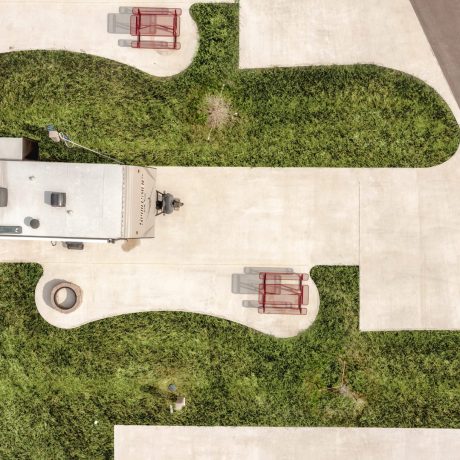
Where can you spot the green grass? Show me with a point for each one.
(355, 116)
(55, 383)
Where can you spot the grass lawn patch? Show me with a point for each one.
(353, 116)
(55, 384)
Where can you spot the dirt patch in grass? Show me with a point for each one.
(218, 110)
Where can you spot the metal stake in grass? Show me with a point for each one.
(343, 388)
(172, 387)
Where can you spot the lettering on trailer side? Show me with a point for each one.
(143, 199)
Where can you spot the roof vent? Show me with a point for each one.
(3, 197)
(58, 199)
(34, 223)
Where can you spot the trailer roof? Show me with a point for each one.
(94, 198)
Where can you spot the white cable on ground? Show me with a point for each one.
(70, 144)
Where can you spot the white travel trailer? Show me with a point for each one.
(74, 202)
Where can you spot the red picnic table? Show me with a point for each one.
(283, 293)
(155, 22)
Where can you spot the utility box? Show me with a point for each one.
(18, 148)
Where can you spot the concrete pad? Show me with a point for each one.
(233, 218)
(115, 289)
(84, 27)
(235, 443)
(409, 246)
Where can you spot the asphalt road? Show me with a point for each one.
(440, 20)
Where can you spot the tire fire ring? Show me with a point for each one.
(66, 297)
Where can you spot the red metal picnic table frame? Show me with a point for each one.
(283, 293)
(155, 22)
